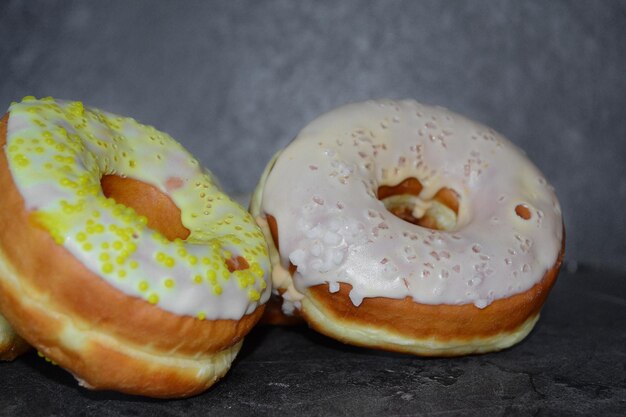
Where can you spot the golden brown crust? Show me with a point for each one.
(11, 344)
(102, 362)
(12, 349)
(48, 275)
(445, 325)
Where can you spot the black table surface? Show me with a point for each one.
(573, 363)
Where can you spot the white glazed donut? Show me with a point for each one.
(469, 276)
(120, 257)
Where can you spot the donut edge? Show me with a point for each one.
(11, 344)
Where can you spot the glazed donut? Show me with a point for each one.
(120, 258)
(11, 344)
(400, 226)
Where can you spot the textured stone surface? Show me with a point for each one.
(235, 81)
(573, 363)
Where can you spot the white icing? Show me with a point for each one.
(322, 193)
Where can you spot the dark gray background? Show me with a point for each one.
(235, 81)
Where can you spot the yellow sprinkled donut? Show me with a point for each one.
(120, 257)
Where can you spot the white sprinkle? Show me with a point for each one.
(337, 257)
(318, 200)
(356, 298)
(318, 265)
(332, 238)
(297, 257)
(317, 248)
(313, 233)
(335, 224)
(409, 253)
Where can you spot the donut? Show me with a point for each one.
(121, 259)
(11, 344)
(405, 227)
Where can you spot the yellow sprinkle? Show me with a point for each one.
(217, 290)
(143, 286)
(211, 275)
(153, 298)
(169, 283)
(201, 316)
(242, 281)
(169, 262)
(87, 246)
(254, 295)
(76, 108)
(197, 279)
(133, 264)
(107, 268)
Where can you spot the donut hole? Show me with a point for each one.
(523, 211)
(162, 213)
(403, 200)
